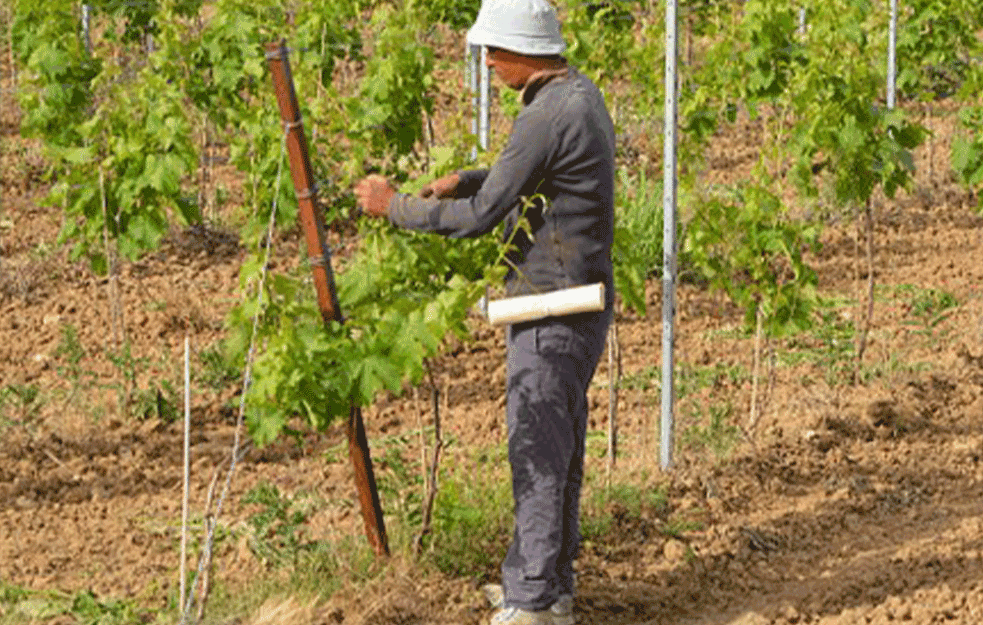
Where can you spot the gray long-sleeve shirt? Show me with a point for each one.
(562, 147)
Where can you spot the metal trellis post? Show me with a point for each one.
(478, 77)
(892, 64)
(669, 237)
(484, 119)
(471, 77)
(86, 26)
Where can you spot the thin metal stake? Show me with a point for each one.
(892, 63)
(484, 121)
(187, 480)
(669, 236)
(472, 77)
(86, 21)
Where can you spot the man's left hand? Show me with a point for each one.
(373, 194)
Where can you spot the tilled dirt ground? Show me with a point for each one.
(846, 502)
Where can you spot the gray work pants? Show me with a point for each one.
(550, 365)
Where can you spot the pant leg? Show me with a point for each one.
(550, 365)
(594, 331)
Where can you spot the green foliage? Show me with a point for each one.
(472, 521)
(125, 177)
(458, 14)
(121, 127)
(278, 533)
(118, 138)
(223, 71)
(754, 63)
(20, 605)
(386, 116)
(823, 87)
(762, 56)
(937, 43)
(718, 435)
(600, 36)
(746, 246)
(608, 508)
(400, 487)
(400, 300)
(19, 403)
(159, 400)
(55, 90)
(70, 350)
(926, 308)
(638, 235)
(967, 149)
(706, 17)
(830, 346)
(692, 379)
(216, 370)
(839, 126)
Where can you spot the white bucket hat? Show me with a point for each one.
(527, 27)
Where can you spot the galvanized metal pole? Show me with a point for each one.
(892, 64)
(86, 23)
(186, 493)
(471, 73)
(484, 120)
(669, 236)
(802, 21)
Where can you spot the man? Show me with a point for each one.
(561, 148)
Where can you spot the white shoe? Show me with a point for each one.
(518, 616)
(561, 612)
(495, 595)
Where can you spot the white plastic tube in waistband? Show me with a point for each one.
(579, 299)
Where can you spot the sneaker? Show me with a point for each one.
(495, 595)
(518, 616)
(561, 612)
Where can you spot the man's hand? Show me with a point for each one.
(373, 194)
(442, 188)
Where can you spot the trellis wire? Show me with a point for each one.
(205, 559)
(669, 238)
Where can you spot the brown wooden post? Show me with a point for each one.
(327, 298)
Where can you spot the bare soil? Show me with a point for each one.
(847, 501)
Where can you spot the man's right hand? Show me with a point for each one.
(442, 188)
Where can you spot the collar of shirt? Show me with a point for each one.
(539, 80)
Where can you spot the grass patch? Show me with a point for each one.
(689, 378)
(19, 404)
(831, 346)
(22, 606)
(606, 508)
(714, 433)
(925, 309)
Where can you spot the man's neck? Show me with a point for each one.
(541, 77)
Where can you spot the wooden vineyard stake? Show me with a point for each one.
(327, 298)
